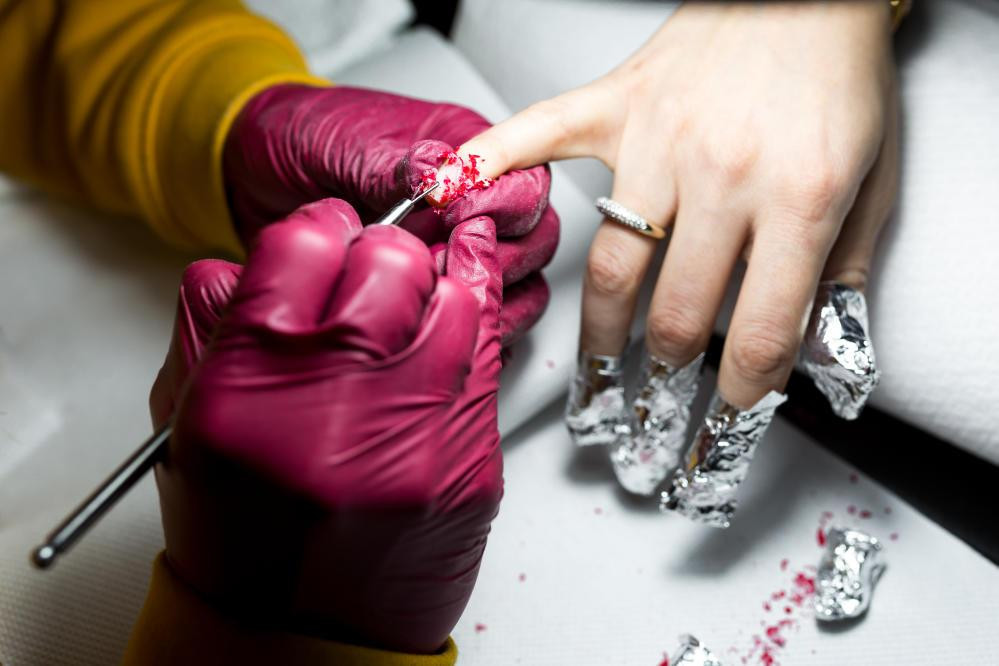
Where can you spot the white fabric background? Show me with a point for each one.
(87, 305)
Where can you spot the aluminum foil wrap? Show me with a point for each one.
(837, 352)
(692, 653)
(850, 568)
(659, 418)
(595, 412)
(718, 460)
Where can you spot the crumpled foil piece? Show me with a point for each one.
(850, 567)
(837, 352)
(692, 653)
(718, 460)
(595, 411)
(659, 419)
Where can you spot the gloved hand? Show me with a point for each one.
(293, 144)
(335, 462)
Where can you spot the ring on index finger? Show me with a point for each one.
(623, 215)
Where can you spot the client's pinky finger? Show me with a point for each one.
(837, 352)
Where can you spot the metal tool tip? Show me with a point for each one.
(43, 556)
(425, 192)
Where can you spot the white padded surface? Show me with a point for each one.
(88, 304)
(934, 291)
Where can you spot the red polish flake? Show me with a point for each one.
(851, 509)
(893, 536)
(597, 510)
(779, 594)
(522, 577)
(783, 564)
(457, 177)
(551, 364)
(788, 610)
(820, 537)
(479, 627)
(854, 478)
(665, 661)
(865, 514)
(766, 606)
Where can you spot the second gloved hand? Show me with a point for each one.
(293, 144)
(335, 464)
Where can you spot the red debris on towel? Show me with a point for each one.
(768, 644)
(479, 627)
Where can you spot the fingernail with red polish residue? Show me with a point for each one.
(456, 177)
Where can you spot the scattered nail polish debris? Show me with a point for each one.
(854, 478)
(551, 364)
(851, 509)
(665, 661)
(479, 627)
(457, 177)
(774, 635)
(522, 577)
(820, 537)
(783, 564)
(597, 510)
(865, 514)
(893, 536)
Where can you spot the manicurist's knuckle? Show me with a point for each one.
(609, 273)
(762, 354)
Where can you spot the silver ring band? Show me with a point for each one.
(621, 214)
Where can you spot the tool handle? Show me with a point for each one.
(101, 500)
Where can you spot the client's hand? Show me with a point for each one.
(761, 130)
(292, 144)
(335, 462)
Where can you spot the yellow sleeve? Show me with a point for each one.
(125, 104)
(177, 627)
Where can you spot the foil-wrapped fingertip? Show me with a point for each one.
(658, 424)
(718, 460)
(595, 410)
(837, 352)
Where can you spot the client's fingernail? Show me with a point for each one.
(849, 569)
(659, 419)
(837, 352)
(595, 412)
(692, 653)
(718, 460)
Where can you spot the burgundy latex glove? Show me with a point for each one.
(335, 462)
(293, 144)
